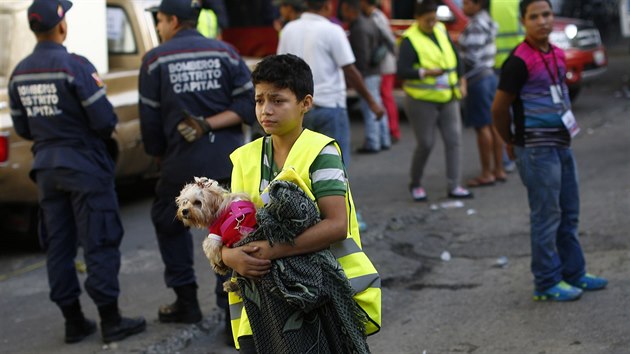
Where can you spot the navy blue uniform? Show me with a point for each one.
(205, 77)
(58, 101)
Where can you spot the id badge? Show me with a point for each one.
(442, 81)
(556, 93)
(570, 123)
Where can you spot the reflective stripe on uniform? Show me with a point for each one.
(41, 77)
(188, 55)
(149, 102)
(248, 86)
(97, 95)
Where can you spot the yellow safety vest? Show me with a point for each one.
(207, 23)
(506, 14)
(364, 278)
(432, 57)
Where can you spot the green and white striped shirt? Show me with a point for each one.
(327, 172)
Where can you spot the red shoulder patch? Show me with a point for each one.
(98, 80)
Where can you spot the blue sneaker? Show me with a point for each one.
(559, 292)
(590, 282)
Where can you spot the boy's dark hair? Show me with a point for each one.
(285, 71)
(426, 6)
(485, 4)
(315, 5)
(525, 3)
(353, 4)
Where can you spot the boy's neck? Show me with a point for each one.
(542, 45)
(282, 145)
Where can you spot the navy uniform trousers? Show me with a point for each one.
(178, 256)
(79, 209)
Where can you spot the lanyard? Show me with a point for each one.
(555, 62)
(551, 76)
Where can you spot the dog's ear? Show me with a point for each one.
(211, 183)
(201, 181)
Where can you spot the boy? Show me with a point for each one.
(284, 93)
(532, 83)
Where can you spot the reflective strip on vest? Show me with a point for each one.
(359, 270)
(433, 56)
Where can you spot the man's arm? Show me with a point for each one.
(150, 107)
(90, 90)
(501, 116)
(513, 77)
(18, 113)
(356, 81)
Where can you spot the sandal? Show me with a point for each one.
(480, 182)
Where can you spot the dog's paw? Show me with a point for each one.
(230, 286)
(220, 268)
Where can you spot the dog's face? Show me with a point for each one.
(198, 203)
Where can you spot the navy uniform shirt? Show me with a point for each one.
(205, 77)
(58, 100)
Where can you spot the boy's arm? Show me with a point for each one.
(333, 228)
(501, 116)
(253, 260)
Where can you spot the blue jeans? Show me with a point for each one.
(550, 176)
(333, 122)
(376, 131)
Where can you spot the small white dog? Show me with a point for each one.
(228, 216)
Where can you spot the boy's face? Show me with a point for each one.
(278, 110)
(538, 21)
(471, 8)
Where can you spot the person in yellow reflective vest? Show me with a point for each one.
(284, 93)
(506, 14)
(433, 84)
(207, 23)
(212, 18)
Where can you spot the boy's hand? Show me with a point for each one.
(241, 259)
(193, 127)
(266, 251)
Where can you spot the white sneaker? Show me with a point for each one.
(460, 193)
(418, 194)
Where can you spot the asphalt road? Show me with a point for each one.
(469, 303)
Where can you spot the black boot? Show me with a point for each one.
(77, 326)
(115, 327)
(185, 309)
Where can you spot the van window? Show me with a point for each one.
(120, 39)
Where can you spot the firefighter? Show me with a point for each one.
(58, 101)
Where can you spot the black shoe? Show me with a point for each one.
(185, 309)
(179, 313)
(77, 330)
(364, 150)
(123, 329)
